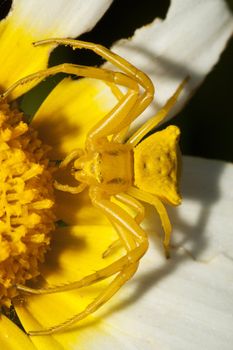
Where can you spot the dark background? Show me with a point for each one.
(206, 122)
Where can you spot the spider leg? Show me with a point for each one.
(136, 206)
(79, 70)
(116, 91)
(129, 235)
(140, 77)
(158, 118)
(114, 121)
(112, 289)
(97, 276)
(121, 135)
(115, 244)
(119, 216)
(110, 56)
(161, 210)
(127, 223)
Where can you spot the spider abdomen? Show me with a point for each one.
(156, 165)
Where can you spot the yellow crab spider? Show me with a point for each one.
(131, 171)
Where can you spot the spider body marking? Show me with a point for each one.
(133, 171)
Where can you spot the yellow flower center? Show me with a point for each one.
(26, 201)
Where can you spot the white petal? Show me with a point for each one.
(11, 337)
(65, 18)
(180, 303)
(173, 305)
(204, 220)
(187, 43)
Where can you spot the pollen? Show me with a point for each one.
(26, 203)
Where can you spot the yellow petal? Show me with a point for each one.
(11, 337)
(69, 112)
(18, 56)
(40, 342)
(34, 20)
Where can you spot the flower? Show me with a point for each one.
(178, 301)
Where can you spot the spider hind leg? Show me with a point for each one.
(136, 244)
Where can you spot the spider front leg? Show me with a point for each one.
(118, 118)
(78, 70)
(110, 56)
(121, 135)
(140, 77)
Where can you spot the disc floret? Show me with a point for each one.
(26, 203)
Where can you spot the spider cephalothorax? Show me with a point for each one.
(111, 166)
